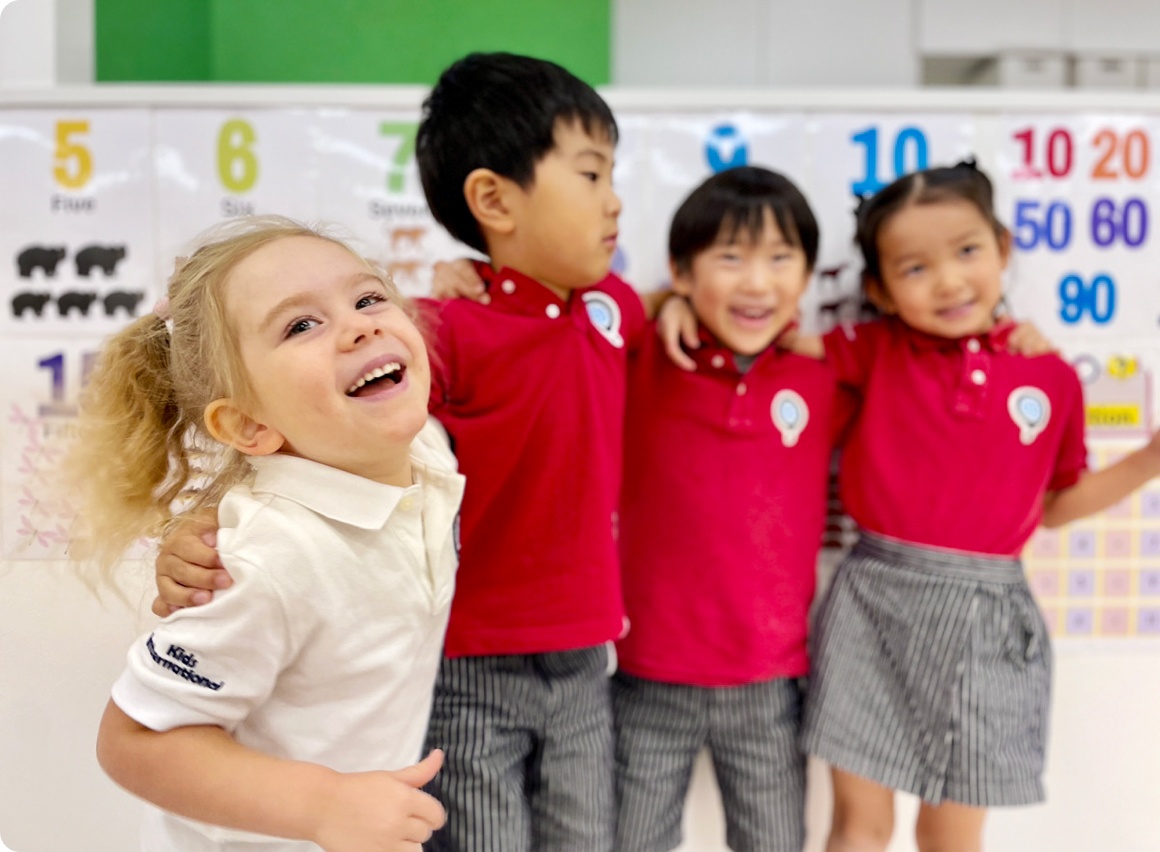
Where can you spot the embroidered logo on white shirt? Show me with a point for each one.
(1031, 410)
(790, 415)
(605, 316)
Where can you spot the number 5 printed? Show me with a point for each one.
(74, 161)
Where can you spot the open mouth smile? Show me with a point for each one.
(370, 381)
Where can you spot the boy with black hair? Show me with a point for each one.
(722, 515)
(516, 158)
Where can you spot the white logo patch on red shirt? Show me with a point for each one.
(605, 316)
(790, 415)
(1031, 410)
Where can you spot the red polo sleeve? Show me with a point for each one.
(433, 324)
(850, 349)
(1073, 454)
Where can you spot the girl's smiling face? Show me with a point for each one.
(942, 268)
(338, 372)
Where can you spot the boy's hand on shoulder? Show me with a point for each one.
(457, 279)
(806, 345)
(187, 567)
(1027, 340)
(676, 325)
(382, 811)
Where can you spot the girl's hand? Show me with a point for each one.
(676, 324)
(457, 279)
(382, 811)
(1028, 341)
(187, 567)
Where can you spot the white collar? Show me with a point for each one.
(347, 497)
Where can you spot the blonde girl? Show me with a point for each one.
(282, 379)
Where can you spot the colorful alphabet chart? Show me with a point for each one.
(100, 195)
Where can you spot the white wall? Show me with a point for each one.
(28, 44)
(763, 43)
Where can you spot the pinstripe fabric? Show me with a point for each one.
(528, 742)
(931, 674)
(752, 735)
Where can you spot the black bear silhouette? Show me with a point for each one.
(106, 257)
(46, 257)
(66, 302)
(27, 301)
(123, 299)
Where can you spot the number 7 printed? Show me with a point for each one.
(405, 132)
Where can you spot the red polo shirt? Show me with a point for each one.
(957, 441)
(724, 502)
(531, 390)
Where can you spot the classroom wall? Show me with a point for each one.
(61, 647)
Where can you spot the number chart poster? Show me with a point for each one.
(98, 201)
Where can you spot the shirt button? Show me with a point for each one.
(718, 361)
(553, 311)
(406, 503)
(741, 389)
(508, 286)
(973, 345)
(978, 377)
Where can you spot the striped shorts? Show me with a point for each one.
(931, 674)
(528, 744)
(751, 732)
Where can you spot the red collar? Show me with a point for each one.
(714, 356)
(516, 293)
(994, 340)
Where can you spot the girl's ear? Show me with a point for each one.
(487, 196)
(682, 281)
(229, 423)
(1004, 246)
(878, 296)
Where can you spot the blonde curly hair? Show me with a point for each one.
(142, 453)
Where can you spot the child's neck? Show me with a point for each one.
(505, 256)
(388, 471)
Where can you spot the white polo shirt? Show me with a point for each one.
(326, 647)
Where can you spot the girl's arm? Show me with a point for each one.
(1096, 491)
(202, 773)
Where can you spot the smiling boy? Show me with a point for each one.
(721, 519)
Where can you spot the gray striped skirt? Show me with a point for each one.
(931, 674)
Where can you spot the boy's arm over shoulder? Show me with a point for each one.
(632, 309)
(213, 664)
(851, 349)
